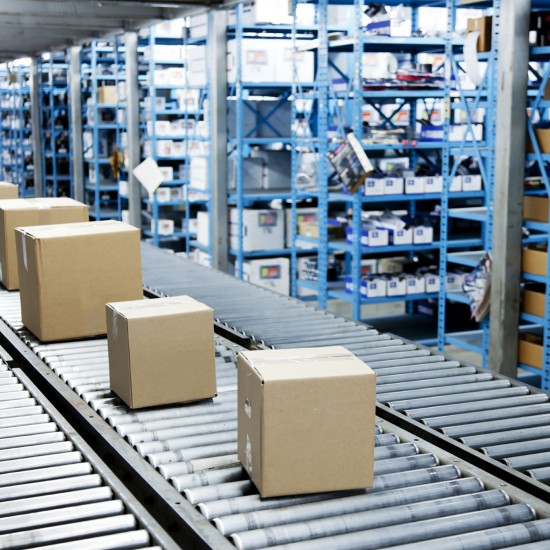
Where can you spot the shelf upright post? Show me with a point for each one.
(294, 154)
(447, 179)
(239, 138)
(36, 128)
(132, 124)
(217, 78)
(95, 131)
(75, 100)
(508, 205)
(322, 168)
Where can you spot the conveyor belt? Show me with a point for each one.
(421, 494)
(52, 493)
(500, 417)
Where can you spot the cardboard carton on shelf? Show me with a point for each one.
(262, 229)
(175, 336)
(534, 302)
(484, 25)
(543, 139)
(530, 349)
(270, 273)
(8, 190)
(306, 420)
(68, 272)
(536, 209)
(107, 95)
(26, 212)
(533, 260)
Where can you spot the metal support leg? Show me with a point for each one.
(75, 98)
(509, 174)
(218, 131)
(36, 129)
(132, 120)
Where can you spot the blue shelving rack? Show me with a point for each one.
(104, 125)
(164, 81)
(337, 109)
(539, 159)
(55, 125)
(245, 137)
(484, 96)
(16, 128)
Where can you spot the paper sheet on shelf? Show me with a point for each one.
(149, 175)
(474, 69)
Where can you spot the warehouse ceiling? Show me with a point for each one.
(29, 27)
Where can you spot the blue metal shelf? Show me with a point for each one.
(370, 199)
(339, 246)
(348, 297)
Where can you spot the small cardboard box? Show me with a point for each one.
(8, 190)
(415, 185)
(534, 303)
(533, 260)
(536, 209)
(484, 25)
(306, 420)
(543, 139)
(433, 184)
(161, 351)
(26, 212)
(68, 272)
(530, 349)
(107, 95)
(394, 186)
(374, 186)
(472, 182)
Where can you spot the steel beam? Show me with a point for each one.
(36, 126)
(75, 99)
(132, 121)
(508, 190)
(218, 126)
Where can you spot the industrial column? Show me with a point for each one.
(508, 193)
(75, 100)
(218, 139)
(132, 121)
(38, 161)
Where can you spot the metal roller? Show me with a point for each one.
(371, 520)
(422, 530)
(528, 461)
(497, 426)
(346, 505)
(508, 450)
(510, 536)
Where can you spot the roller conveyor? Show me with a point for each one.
(54, 492)
(421, 493)
(461, 401)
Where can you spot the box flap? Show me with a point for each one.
(173, 305)
(77, 229)
(292, 364)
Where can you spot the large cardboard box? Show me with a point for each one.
(485, 26)
(536, 209)
(8, 190)
(530, 349)
(161, 351)
(533, 260)
(26, 212)
(68, 272)
(306, 420)
(543, 139)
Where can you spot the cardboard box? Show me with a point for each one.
(374, 186)
(302, 215)
(304, 418)
(432, 283)
(393, 186)
(262, 229)
(203, 228)
(543, 139)
(27, 212)
(530, 350)
(107, 95)
(433, 184)
(534, 303)
(485, 27)
(396, 286)
(68, 272)
(164, 226)
(536, 209)
(416, 284)
(415, 185)
(175, 336)
(423, 234)
(271, 273)
(533, 260)
(8, 190)
(471, 183)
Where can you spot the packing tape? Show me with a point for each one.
(24, 247)
(300, 358)
(474, 70)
